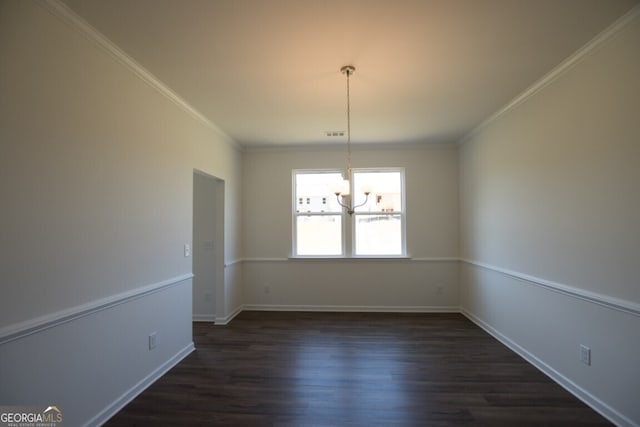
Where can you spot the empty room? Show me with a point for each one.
(320, 213)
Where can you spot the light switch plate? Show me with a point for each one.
(585, 354)
(153, 340)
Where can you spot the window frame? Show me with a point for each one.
(295, 214)
(348, 222)
(402, 213)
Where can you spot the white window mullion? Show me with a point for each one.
(348, 233)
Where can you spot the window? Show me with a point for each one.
(321, 225)
(318, 223)
(378, 224)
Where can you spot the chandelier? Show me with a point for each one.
(343, 191)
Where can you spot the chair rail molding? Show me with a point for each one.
(593, 297)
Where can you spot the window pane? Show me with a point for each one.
(319, 235)
(378, 235)
(314, 192)
(386, 195)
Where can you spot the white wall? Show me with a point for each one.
(96, 188)
(91, 366)
(432, 234)
(549, 225)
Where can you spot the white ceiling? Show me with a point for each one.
(267, 71)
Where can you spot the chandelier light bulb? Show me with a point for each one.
(345, 188)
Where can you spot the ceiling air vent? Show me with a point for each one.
(334, 133)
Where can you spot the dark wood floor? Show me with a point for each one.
(352, 369)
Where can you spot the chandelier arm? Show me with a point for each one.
(340, 203)
(349, 209)
(363, 203)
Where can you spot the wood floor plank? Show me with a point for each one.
(353, 369)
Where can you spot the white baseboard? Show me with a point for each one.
(328, 308)
(226, 319)
(117, 405)
(204, 317)
(354, 308)
(596, 404)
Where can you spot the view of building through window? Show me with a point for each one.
(318, 216)
(321, 224)
(378, 224)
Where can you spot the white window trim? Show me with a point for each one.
(348, 221)
(295, 214)
(403, 214)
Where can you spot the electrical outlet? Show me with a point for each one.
(187, 250)
(153, 340)
(439, 289)
(267, 289)
(585, 354)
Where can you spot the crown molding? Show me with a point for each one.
(75, 21)
(558, 71)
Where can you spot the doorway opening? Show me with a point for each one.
(208, 246)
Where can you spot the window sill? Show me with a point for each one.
(352, 258)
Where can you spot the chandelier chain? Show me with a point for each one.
(345, 203)
(348, 73)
